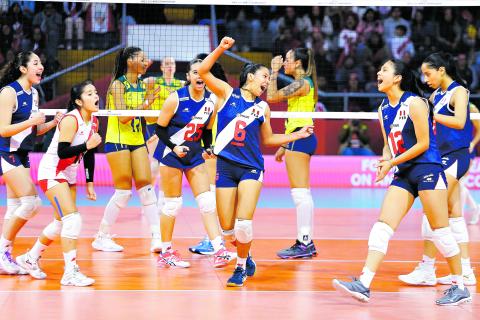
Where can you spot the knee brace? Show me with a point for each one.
(12, 205)
(29, 207)
(172, 206)
(121, 197)
(71, 226)
(52, 231)
(427, 232)
(243, 231)
(379, 237)
(445, 242)
(228, 235)
(147, 195)
(206, 202)
(459, 229)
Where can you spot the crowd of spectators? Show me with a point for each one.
(350, 43)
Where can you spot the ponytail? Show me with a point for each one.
(306, 57)
(446, 60)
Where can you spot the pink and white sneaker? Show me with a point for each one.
(222, 257)
(172, 259)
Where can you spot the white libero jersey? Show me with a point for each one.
(54, 168)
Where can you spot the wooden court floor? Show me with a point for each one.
(129, 285)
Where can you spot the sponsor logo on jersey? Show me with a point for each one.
(184, 99)
(185, 110)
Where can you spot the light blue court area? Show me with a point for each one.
(328, 198)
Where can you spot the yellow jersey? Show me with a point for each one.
(129, 133)
(166, 89)
(301, 104)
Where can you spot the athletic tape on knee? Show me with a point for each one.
(228, 235)
(427, 232)
(172, 206)
(379, 237)
(243, 231)
(147, 195)
(28, 208)
(52, 231)
(206, 202)
(459, 229)
(121, 197)
(12, 205)
(71, 226)
(445, 242)
(154, 165)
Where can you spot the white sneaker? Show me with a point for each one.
(156, 244)
(104, 242)
(421, 276)
(8, 265)
(73, 277)
(475, 216)
(31, 266)
(468, 279)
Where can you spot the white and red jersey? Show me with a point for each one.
(51, 167)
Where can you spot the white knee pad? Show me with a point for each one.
(52, 231)
(379, 237)
(445, 242)
(228, 235)
(12, 205)
(459, 229)
(172, 206)
(71, 226)
(427, 232)
(243, 231)
(206, 202)
(301, 196)
(29, 207)
(121, 197)
(147, 195)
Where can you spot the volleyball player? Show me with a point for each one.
(125, 148)
(302, 96)
(453, 134)
(409, 145)
(465, 195)
(185, 119)
(243, 120)
(75, 138)
(20, 121)
(165, 84)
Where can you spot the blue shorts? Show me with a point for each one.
(12, 160)
(191, 160)
(306, 145)
(149, 131)
(456, 163)
(114, 147)
(230, 174)
(419, 177)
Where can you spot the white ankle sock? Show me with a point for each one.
(366, 277)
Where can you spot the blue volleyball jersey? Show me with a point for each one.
(238, 130)
(190, 119)
(450, 139)
(26, 103)
(401, 132)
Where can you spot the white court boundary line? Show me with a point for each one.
(92, 289)
(256, 260)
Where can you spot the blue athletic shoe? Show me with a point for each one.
(250, 266)
(354, 289)
(311, 247)
(454, 297)
(204, 247)
(238, 278)
(298, 250)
